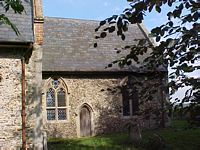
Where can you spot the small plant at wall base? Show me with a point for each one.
(178, 42)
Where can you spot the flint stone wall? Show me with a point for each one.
(103, 95)
(10, 100)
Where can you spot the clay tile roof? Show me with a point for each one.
(68, 45)
(24, 23)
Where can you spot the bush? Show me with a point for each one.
(155, 142)
(195, 116)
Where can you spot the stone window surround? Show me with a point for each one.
(131, 115)
(67, 107)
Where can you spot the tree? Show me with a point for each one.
(178, 41)
(16, 6)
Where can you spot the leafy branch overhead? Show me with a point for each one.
(177, 40)
(8, 5)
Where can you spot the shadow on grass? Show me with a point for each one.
(81, 147)
(177, 137)
(106, 142)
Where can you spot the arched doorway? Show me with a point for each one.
(85, 122)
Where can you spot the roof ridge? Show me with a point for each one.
(62, 18)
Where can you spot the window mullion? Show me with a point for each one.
(56, 103)
(131, 107)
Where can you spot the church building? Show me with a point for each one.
(68, 91)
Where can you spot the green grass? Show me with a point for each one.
(180, 136)
(106, 142)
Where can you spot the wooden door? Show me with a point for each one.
(85, 122)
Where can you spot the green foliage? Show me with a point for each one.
(5, 20)
(178, 40)
(155, 142)
(16, 6)
(194, 115)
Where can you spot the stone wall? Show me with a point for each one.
(10, 88)
(102, 94)
(10, 100)
(94, 93)
(33, 99)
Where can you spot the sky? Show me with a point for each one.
(95, 10)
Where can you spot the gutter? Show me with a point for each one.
(25, 48)
(16, 44)
(23, 113)
(24, 60)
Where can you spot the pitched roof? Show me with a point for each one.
(68, 45)
(23, 22)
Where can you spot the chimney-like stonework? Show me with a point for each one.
(38, 22)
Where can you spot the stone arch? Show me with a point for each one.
(48, 82)
(61, 85)
(86, 105)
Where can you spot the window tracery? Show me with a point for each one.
(56, 100)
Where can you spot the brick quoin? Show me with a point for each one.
(38, 30)
(38, 22)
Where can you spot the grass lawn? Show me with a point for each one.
(177, 137)
(106, 142)
(180, 136)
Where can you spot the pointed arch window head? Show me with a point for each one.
(56, 100)
(61, 97)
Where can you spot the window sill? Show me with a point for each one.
(129, 117)
(57, 121)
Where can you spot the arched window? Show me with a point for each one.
(56, 100)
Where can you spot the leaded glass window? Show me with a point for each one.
(50, 98)
(56, 101)
(61, 114)
(125, 103)
(130, 100)
(51, 114)
(61, 98)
